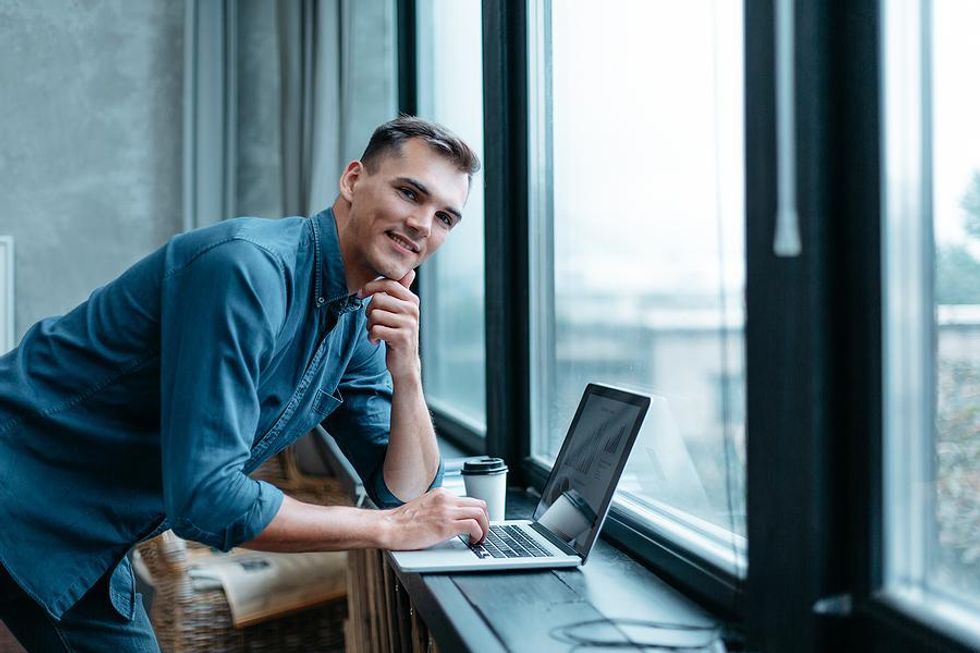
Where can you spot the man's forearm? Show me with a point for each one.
(300, 526)
(431, 518)
(413, 455)
(412, 459)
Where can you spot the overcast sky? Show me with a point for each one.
(956, 111)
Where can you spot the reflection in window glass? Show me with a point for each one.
(450, 81)
(637, 224)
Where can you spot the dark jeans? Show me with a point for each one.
(90, 625)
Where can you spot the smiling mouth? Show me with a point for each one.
(402, 242)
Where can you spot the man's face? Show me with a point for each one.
(401, 214)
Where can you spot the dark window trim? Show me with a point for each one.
(815, 446)
(405, 17)
(506, 178)
(885, 628)
(797, 382)
(880, 623)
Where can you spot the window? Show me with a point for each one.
(931, 336)
(450, 91)
(618, 134)
(637, 261)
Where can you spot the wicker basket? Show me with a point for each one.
(188, 619)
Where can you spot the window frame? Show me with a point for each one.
(507, 103)
(815, 518)
(505, 129)
(890, 618)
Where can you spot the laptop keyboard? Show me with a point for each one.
(508, 541)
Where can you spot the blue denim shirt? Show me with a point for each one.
(146, 407)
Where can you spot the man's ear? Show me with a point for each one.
(348, 180)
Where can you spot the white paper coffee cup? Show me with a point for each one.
(486, 478)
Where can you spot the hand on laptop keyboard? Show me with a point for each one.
(508, 541)
(434, 517)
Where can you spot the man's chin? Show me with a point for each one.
(392, 271)
(392, 267)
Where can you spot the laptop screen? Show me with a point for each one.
(577, 495)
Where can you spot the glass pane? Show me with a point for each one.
(956, 222)
(931, 240)
(637, 239)
(450, 91)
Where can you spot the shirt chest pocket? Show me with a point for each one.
(325, 402)
(303, 413)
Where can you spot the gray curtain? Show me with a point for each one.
(279, 96)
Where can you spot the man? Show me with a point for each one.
(146, 407)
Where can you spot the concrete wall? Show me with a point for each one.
(91, 128)
(90, 142)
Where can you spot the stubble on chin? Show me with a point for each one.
(389, 270)
(390, 267)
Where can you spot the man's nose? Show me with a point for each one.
(420, 222)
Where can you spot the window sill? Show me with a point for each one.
(520, 610)
(460, 434)
(524, 611)
(919, 621)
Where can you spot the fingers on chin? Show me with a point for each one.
(386, 286)
(407, 280)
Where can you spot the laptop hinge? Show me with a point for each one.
(554, 539)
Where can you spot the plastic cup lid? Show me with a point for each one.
(484, 465)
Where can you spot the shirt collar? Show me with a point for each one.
(331, 286)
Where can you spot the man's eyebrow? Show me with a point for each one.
(420, 187)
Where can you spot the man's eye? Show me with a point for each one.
(408, 192)
(445, 218)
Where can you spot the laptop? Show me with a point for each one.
(573, 505)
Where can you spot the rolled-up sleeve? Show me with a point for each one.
(221, 313)
(361, 425)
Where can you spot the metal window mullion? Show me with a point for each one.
(908, 356)
(541, 222)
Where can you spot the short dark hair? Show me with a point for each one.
(389, 137)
